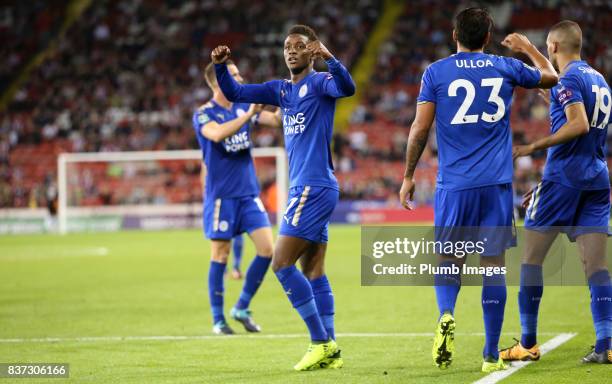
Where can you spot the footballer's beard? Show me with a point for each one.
(555, 64)
(297, 70)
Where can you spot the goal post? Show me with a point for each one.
(66, 160)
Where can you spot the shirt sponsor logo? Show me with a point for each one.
(294, 124)
(237, 142)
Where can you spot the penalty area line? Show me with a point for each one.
(548, 346)
(94, 339)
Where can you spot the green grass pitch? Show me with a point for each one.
(154, 284)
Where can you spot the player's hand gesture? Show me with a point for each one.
(406, 193)
(220, 54)
(545, 95)
(318, 50)
(522, 150)
(517, 42)
(255, 109)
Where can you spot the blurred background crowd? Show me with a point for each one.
(127, 75)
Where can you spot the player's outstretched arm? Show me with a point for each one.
(218, 132)
(341, 83)
(520, 43)
(577, 125)
(417, 139)
(267, 93)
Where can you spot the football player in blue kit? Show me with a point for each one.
(307, 103)
(470, 95)
(232, 205)
(574, 195)
(237, 241)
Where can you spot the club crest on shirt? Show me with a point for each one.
(303, 90)
(240, 112)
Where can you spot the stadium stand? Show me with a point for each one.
(127, 76)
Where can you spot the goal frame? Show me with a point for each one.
(64, 159)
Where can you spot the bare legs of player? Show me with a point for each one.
(261, 237)
(311, 255)
(263, 240)
(592, 249)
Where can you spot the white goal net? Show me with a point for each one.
(108, 191)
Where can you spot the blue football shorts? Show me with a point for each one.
(226, 218)
(309, 209)
(483, 214)
(569, 210)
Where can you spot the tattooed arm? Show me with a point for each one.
(417, 140)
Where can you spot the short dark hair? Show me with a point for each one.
(209, 73)
(304, 30)
(472, 26)
(570, 35)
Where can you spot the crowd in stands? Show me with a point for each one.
(25, 29)
(128, 75)
(421, 36)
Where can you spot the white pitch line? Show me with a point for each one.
(548, 346)
(50, 253)
(215, 337)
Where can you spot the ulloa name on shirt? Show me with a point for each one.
(473, 63)
(238, 142)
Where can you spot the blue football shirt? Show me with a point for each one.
(230, 169)
(473, 96)
(580, 163)
(308, 109)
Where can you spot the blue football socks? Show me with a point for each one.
(324, 298)
(601, 309)
(300, 294)
(253, 279)
(215, 290)
(529, 297)
(493, 305)
(447, 287)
